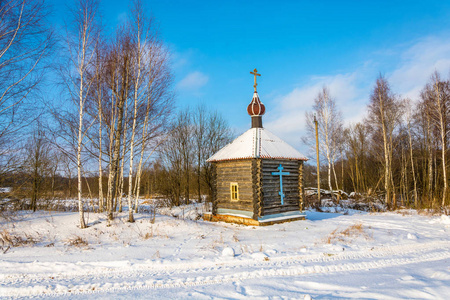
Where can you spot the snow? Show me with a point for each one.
(445, 220)
(228, 251)
(257, 143)
(5, 189)
(358, 255)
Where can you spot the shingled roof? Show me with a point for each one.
(257, 143)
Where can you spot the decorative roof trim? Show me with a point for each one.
(251, 157)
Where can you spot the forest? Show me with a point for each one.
(91, 115)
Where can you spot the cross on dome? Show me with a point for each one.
(255, 72)
(256, 108)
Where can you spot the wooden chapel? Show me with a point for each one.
(258, 178)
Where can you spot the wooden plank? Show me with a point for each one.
(247, 162)
(235, 173)
(234, 206)
(272, 211)
(276, 186)
(275, 202)
(244, 183)
(248, 202)
(287, 195)
(268, 206)
(241, 179)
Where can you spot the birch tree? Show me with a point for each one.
(200, 127)
(158, 99)
(413, 169)
(384, 114)
(330, 123)
(356, 140)
(82, 40)
(97, 99)
(436, 95)
(119, 84)
(138, 32)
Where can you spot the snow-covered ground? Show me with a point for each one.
(358, 255)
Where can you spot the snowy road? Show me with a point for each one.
(103, 280)
(328, 256)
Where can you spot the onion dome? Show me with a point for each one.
(256, 108)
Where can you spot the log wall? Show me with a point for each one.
(292, 189)
(301, 190)
(258, 208)
(258, 188)
(214, 189)
(239, 171)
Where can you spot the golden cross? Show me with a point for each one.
(255, 72)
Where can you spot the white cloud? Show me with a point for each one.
(287, 116)
(417, 64)
(193, 81)
(411, 70)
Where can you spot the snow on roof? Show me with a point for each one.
(257, 143)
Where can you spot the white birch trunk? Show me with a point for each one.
(80, 140)
(100, 170)
(386, 149)
(441, 114)
(144, 141)
(416, 200)
(81, 66)
(133, 129)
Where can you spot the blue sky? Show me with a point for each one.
(297, 46)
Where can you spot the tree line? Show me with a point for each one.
(399, 151)
(89, 114)
(113, 112)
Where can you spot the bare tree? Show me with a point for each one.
(413, 169)
(25, 41)
(385, 112)
(330, 129)
(184, 148)
(436, 96)
(357, 145)
(218, 134)
(423, 117)
(81, 46)
(98, 87)
(139, 31)
(119, 84)
(183, 134)
(37, 162)
(200, 127)
(158, 103)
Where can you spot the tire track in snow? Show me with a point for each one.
(143, 277)
(199, 266)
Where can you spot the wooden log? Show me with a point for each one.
(214, 189)
(301, 190)
(256, 188)
(280, 209)
(237, 206)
